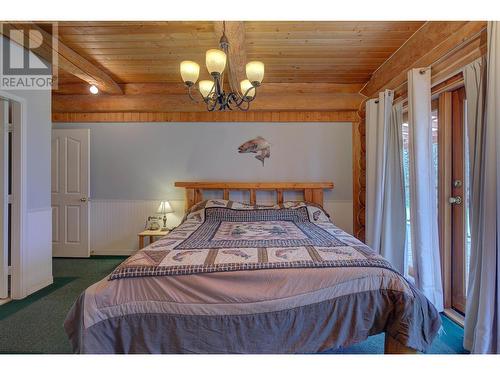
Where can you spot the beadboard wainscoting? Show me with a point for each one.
(114, 224)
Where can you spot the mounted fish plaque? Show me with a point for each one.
(258, 146)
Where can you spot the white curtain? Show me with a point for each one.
(423, 197)
(373, 200)
(385, 209)
(377, 119)
(482, 86)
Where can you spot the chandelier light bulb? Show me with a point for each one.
(205, 87)
(216, 61)
(93, 89)
(255, 72)
(245, 86)
(189, 72)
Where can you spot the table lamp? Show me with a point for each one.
(164, 209)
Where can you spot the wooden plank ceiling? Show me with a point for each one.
(298, 52)
(310, 66)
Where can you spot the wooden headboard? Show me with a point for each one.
(313, 191)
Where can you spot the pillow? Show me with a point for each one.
(316, 212)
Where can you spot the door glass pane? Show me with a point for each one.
(406, 177)
(435, 159)
(466, 201)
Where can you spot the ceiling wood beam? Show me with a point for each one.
(68, 59)
(180, 88)
(237, 55)
(180, 103)
(269, 116)
(431, 42)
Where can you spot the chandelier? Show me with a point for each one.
(212, 91)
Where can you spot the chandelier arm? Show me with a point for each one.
(245, 98)
(211, 104)
(224, 105)
(238, 100)
(220, 81)
(228, 101)
(212, 91)
(246, 108)
(240, 103)
(233, 101)
(217, 88)
(254, 95)
(193, 99)
(221, 99)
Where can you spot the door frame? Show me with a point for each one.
(445, 118)
(448, 116)
(458, 296)
(19, 212)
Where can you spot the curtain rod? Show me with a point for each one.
(389, 93)
(461, 45)
(446, 55)
(444, 88)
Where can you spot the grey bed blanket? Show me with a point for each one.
(234, 278)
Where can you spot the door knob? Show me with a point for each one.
(84, 199)
(455, 200)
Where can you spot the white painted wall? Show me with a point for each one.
(134, 165)
(37, 252)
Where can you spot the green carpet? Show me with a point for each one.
(34, 324)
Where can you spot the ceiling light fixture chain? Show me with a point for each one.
(212, 91)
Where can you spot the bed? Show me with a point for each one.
(244, 278)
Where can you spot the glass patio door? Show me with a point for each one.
(453, 197)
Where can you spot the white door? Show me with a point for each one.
(4, 203)
(70, 192)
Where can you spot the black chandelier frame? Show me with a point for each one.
(217, 98)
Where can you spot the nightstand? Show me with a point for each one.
(151, 234)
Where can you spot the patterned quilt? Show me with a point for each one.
(220, 235)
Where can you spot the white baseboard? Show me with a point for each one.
(39, 286)
(107, 252)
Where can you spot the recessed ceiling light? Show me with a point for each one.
(93, 89)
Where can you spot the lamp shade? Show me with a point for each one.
(215, 60)
(205, 87)
(189, 71)
(255, 71)
(245, 86)
(164, 208)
